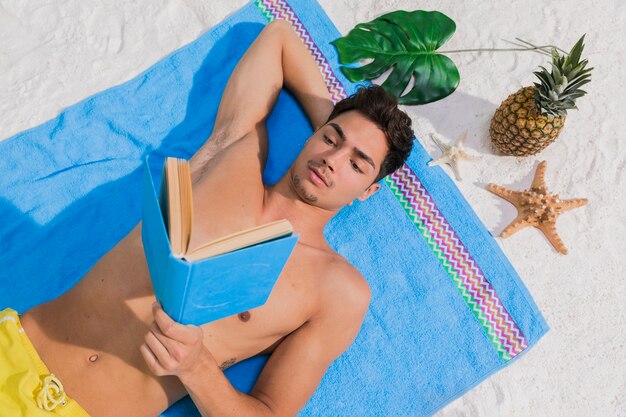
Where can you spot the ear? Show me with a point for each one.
(371, 190)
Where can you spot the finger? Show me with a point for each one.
(171, 328)
(158, 349)
(151, 360)
(172, 346)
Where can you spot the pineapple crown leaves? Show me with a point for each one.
(559, 88)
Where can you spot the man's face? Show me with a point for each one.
(347, 153)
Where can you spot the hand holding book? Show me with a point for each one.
(226, 276)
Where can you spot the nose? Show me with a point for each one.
(336, 157)
(327, 163)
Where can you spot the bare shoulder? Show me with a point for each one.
(344, 298)
(345, 287)
(296, 367)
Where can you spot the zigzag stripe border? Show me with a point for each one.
(467, 276)
(467, 295)
(457, 255)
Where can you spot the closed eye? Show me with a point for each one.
(328, 140)
(356, 167)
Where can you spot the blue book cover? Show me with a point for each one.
(205, 290)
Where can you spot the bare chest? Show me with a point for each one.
(291, 303)
(293, 298)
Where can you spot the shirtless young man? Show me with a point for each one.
(118, 354)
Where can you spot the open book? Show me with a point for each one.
(177, 207)
(219, 278)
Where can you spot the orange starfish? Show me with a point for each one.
(536, 207)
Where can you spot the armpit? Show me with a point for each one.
(228, 363)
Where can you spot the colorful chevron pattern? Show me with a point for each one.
(467, 276)
(471, 283)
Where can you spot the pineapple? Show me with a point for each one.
(532, 118)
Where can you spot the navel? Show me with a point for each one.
(245, 316)
(93, 358)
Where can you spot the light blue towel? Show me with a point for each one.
(70, 190)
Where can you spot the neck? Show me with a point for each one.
(281, 201)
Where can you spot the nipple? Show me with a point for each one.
(93, 358)
(245, 316)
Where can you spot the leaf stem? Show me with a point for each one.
(528, 43)
(495, 49)
(534, 48)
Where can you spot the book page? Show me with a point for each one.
(241, 239)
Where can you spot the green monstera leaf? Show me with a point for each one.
(408, 42)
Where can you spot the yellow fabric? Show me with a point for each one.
(27, 388)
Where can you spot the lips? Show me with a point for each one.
(322, 177)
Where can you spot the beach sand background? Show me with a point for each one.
(56, 53)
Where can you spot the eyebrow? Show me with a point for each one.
(359, 152)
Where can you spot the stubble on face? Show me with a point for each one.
(297, 183)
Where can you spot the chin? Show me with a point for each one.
(303, 188)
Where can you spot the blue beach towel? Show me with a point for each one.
(448, 309)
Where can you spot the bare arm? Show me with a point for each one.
(293, 371)
(303, 78)
(275, 59)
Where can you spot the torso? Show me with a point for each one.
(90, 336)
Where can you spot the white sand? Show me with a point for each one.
(55, 53)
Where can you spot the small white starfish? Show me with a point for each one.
(452, 154)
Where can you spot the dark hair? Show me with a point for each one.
(382, 108)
